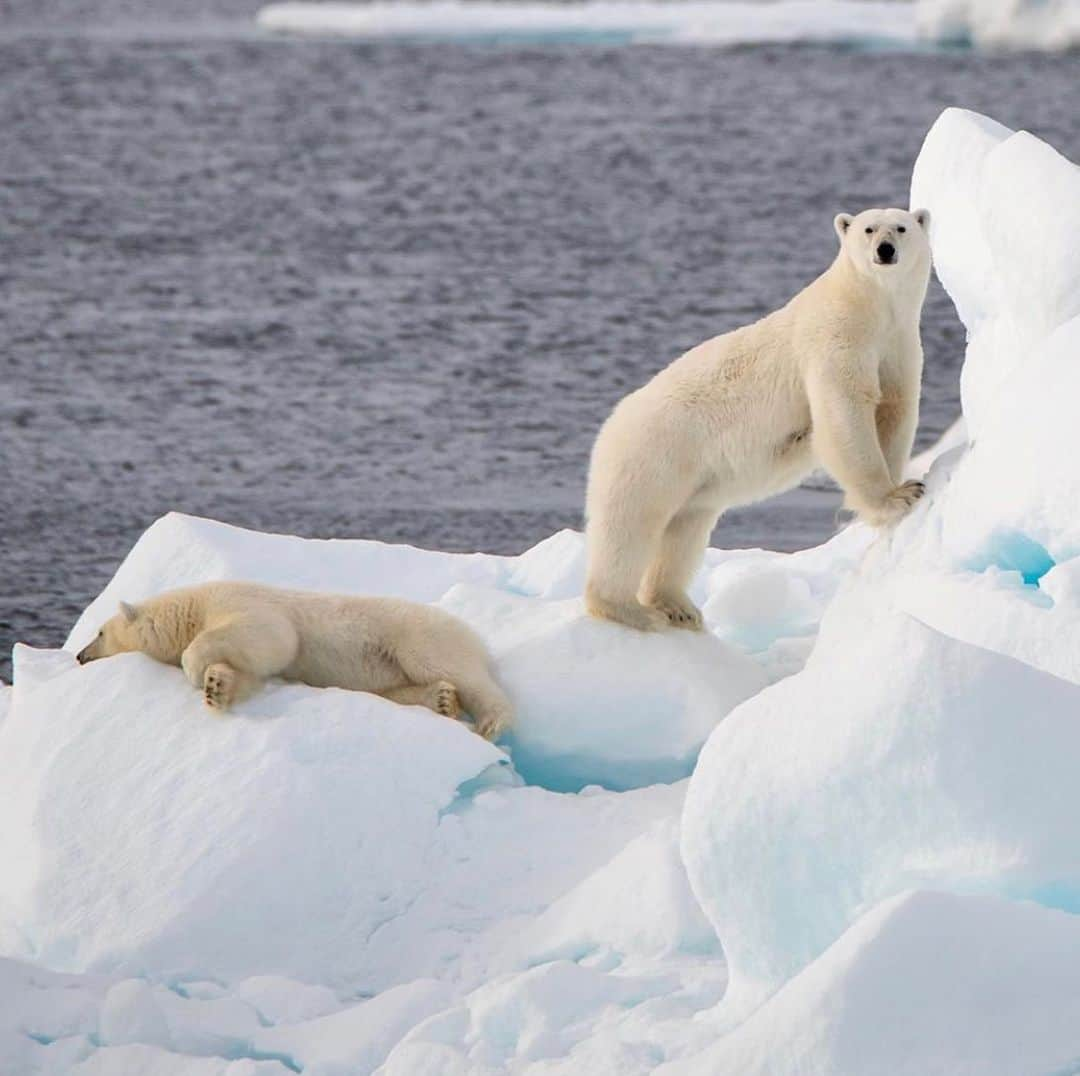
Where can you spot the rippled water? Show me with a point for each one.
(391, 290)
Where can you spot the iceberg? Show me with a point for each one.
(1022, 24)
(872, 867)
(731, 22)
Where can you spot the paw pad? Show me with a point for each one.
(446, 700)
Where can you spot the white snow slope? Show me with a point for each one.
(874, 869)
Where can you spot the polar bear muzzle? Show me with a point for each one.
(885, 254)
(89, 653)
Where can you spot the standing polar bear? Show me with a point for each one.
(832, 379)
(231, 637)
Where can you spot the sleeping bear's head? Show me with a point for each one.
(886, 242)
(120, 635)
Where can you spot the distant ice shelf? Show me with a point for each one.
(723, 23)
(1018, 24)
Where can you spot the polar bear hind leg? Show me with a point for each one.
(472, 691)
(682, 547)
(462, 666)
(623, 542)
(486, 702)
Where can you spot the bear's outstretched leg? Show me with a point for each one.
(242, 651)
(440, 696)
(479, 695)
(681, 550)
(223, 686)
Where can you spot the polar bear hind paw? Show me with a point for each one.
(219, 686)
(444, 699)
(491, 727)
(680, 613)
(633, 614)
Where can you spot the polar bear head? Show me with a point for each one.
(886, 242)
(128, 630)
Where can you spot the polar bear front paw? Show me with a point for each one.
(681, 612)
(219, 686)
(897, 504)
(903, 498)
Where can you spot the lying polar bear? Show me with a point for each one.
(830, 380)
(231, 637)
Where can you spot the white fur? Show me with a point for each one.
(832, 380)
(231, 637)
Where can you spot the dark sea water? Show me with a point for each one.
(391, 290)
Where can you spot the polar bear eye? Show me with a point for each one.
(901, 229)
(869, 231)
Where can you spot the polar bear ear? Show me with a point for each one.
(841, 222)
(922, 218)
(131, 612)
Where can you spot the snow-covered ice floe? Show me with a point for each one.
(931, 741)
(730, 22)
(874, 867)
(1020, 24)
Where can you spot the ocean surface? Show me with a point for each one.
(391, 289)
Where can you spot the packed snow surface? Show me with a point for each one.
(874, 867)
(731, 22)
(549, 653)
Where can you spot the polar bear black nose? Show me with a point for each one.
(885, 252)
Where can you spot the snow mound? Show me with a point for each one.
(356, 1039)
(1020, 24)
(138, 833)
(588, 695)
(732, 22)
(595, 921)
(563, 1019)
(1004, 208)
(1004, 255)
(950, 767)
(923, 983)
